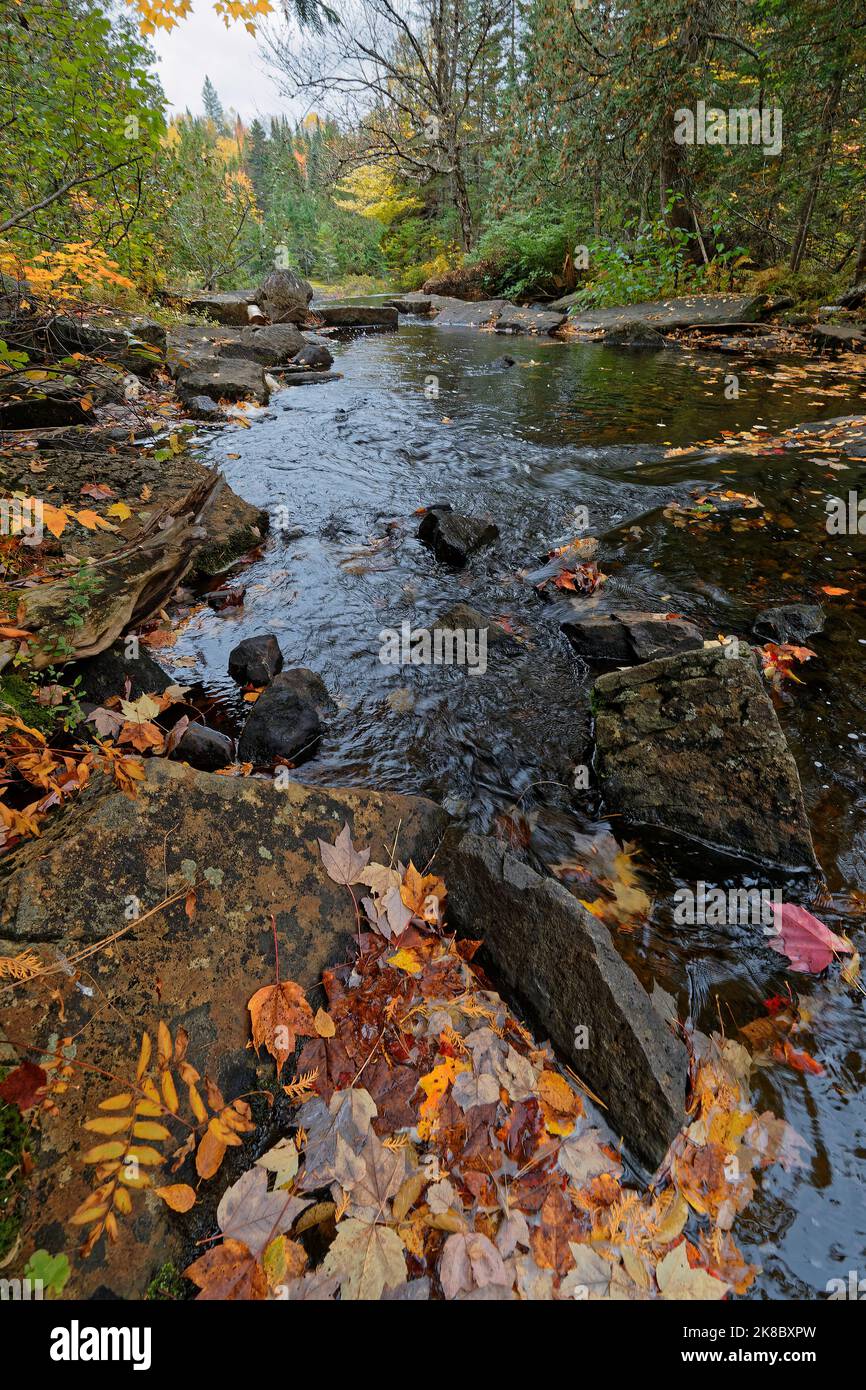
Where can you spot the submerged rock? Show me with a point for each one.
(692, 744)
(790, 622)
(630, 637)
(633, 333)
(452, 536)
(250, 846)
(559, 960)
(286, 720)
(256, 660)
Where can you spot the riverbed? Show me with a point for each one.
(424, 416)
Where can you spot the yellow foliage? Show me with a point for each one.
(61, 275)
(372, 191)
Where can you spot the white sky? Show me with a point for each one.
(200, 46)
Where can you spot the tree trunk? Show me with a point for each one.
(807, 209)
(680, 214)
(464, 210)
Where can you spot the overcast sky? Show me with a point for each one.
(201, 46)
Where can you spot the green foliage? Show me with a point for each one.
(169, 1285)
(13, 1142)
(52, 1271)
(528, 250)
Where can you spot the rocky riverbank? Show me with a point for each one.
(205, 859)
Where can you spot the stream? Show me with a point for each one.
(424, 416)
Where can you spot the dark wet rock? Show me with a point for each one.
(837, 337)
(285, 297)
(204, 748)
(313, 355)
(286, 720)
(502, 364)
(230, 379)
(227, 597)
(229, 307)
(252, 848)
(559, 961)
(358, 315)
(452, 536)
(790, 622)
(629, 637)
(45, 406)
(692, 744)
(633, 333)
(535, 318)
(462, 617)
(669, 313)
(288, 376)
(232, 525)
(202, 408)
(106, 675)
(256, 660)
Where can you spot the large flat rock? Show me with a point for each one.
(669, 313)
(692, 744)
(357, 315)
(252, 847)
(558, 959)
(458, 313)
(227, 307)
(535, 318)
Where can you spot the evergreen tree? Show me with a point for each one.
(212, 105)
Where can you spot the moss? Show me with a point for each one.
(13, 1143)
(17, 695)
(168, 1285)
(211, 560)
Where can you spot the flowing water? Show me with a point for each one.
(572, 426)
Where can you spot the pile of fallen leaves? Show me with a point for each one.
(445, 1154)
(28, 761)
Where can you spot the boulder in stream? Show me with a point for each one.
(286, 720)
(256, 660)
(313, 355)
(452, 536)
(285, 297)
(629, 637)
(204, 748)
(692, 744)
(790, 622)
(559, 960)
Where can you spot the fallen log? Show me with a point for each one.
(124, 588)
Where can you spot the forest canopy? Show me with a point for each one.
(624, 149)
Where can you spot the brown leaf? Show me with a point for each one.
(229, 1271)
(279, 1013)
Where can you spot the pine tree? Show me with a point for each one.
(212, 104)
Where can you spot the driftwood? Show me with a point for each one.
(126, 587)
